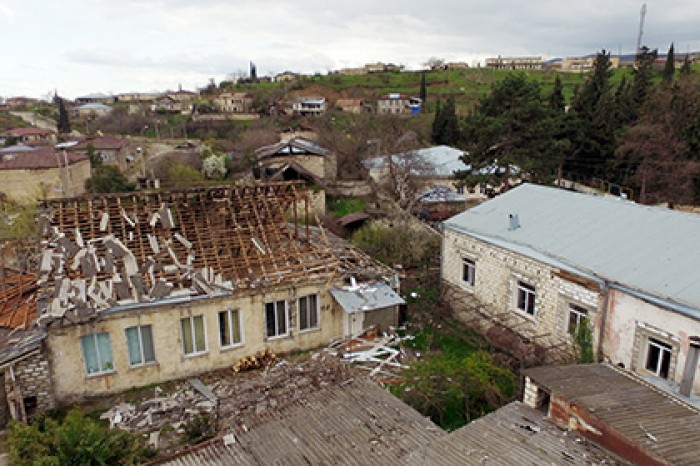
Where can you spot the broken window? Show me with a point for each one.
(229, 328)
(139, 342)
(308, 312)
(276, 318)
(97, 352)
(193, 335)
(658, 358)
(526, 298)
(468, 272)
(577, 314)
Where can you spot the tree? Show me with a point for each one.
(108, 179)
(62, 122)
(423, 90)
(514, 128)
(95, 159)
(445, 125)
(670, 66)
(435, 63)
(686, 69)
(75, 440)
(557, 102)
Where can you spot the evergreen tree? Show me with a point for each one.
(423, 90)
(643, 75)
(670, 66)
(445, 125)
(557, 102)
(686, 69)
(62, 122)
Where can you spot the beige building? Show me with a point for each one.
(29, 136)
(44, 174)
(112, 150)
(536, 263)
(143, 288)
(233, 102)
(514, 63)
(314, 159)
(584, 64)
(398, 104)
(349, 105)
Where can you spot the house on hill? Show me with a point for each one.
(112, 150)
(43, 173)
(539, 262)
(309, 106)
(135, 289)
(29, 136)
(233, 102)
(398, 104)
(317, 160)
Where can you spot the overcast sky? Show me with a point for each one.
(112, 46)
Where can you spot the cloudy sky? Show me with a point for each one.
(112, 46)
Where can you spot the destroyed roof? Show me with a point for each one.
(366, 297)
(657, 422)
(101, 252)
(292, 171)
(41, 159)
(650, 251)
(511, 436)
(296, 146)
(18, 293)
(439, 194)
(102, 142)
(354, 423)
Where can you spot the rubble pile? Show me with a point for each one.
(163, 412)
(246, 398)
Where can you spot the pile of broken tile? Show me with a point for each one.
(164, 411)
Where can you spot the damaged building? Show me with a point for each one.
(136, 289)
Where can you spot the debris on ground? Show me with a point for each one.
(379, 354)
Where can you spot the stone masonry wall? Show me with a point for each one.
(33, 379)
(497, 273)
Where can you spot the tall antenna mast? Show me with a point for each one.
(642, 15)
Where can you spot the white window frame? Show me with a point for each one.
(229, 330)
(529, 293)
(277, 333)
(664, 348)
(580, 313)
(108, 365)
(468, 272)
(139, 330)
(316, 311)
(194, 352)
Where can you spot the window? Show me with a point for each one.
(308, 312)
(97, 352)
(276, 318)
(193, 335)
(229, 328)
(526, 298)
(577, 314)
(139, 342)
(468, 272)
(658, 358)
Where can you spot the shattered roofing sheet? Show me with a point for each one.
(649, 249)
(364, 297)
(103, 251)
(293, 146)
(18, 294)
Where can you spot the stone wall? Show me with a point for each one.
(28, 185)
(31, 391)
(494, 294)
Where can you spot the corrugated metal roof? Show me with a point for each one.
(514, 435)
(649, 249)
(357, 423)
(440, 194)
(438, 161)
(629, 406)
(363, 298)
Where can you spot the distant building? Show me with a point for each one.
(138, 97)
(584, 64)
(287, 76)
(233, 102)
(351, 105)
(514, 63)
(92, 110)
(44, 173)
(309, 106)
(95, 99)
(31, 136)
(458, 65)
(112, 150)
(398, 104)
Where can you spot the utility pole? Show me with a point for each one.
(642, 15)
